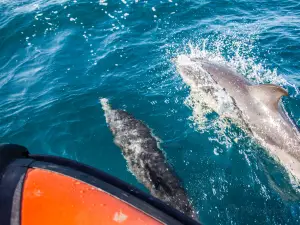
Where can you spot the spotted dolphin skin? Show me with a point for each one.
(145, 160)
(256, 108)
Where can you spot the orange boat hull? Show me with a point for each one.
(47, 190)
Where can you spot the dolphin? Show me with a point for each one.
(145, 160)
(255, 108)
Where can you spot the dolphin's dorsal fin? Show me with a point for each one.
(269, 94)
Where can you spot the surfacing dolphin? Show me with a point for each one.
(256, 108)
(145, 160)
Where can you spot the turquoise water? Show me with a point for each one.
(58, 57)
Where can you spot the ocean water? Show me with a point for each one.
(58, 57)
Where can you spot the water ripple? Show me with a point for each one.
(59, 56)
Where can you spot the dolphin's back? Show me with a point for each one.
(130, 130)
(146, 161)
(258, 107)
(224, 76)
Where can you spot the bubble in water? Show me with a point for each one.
(103, 2)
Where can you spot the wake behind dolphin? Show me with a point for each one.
(255, 108)
(145, 160)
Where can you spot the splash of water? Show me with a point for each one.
(238, 60)
(221, 102)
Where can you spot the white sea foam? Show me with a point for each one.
(27, 8)
(37, 5)
(240, 61)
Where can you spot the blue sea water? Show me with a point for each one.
(57, 57)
